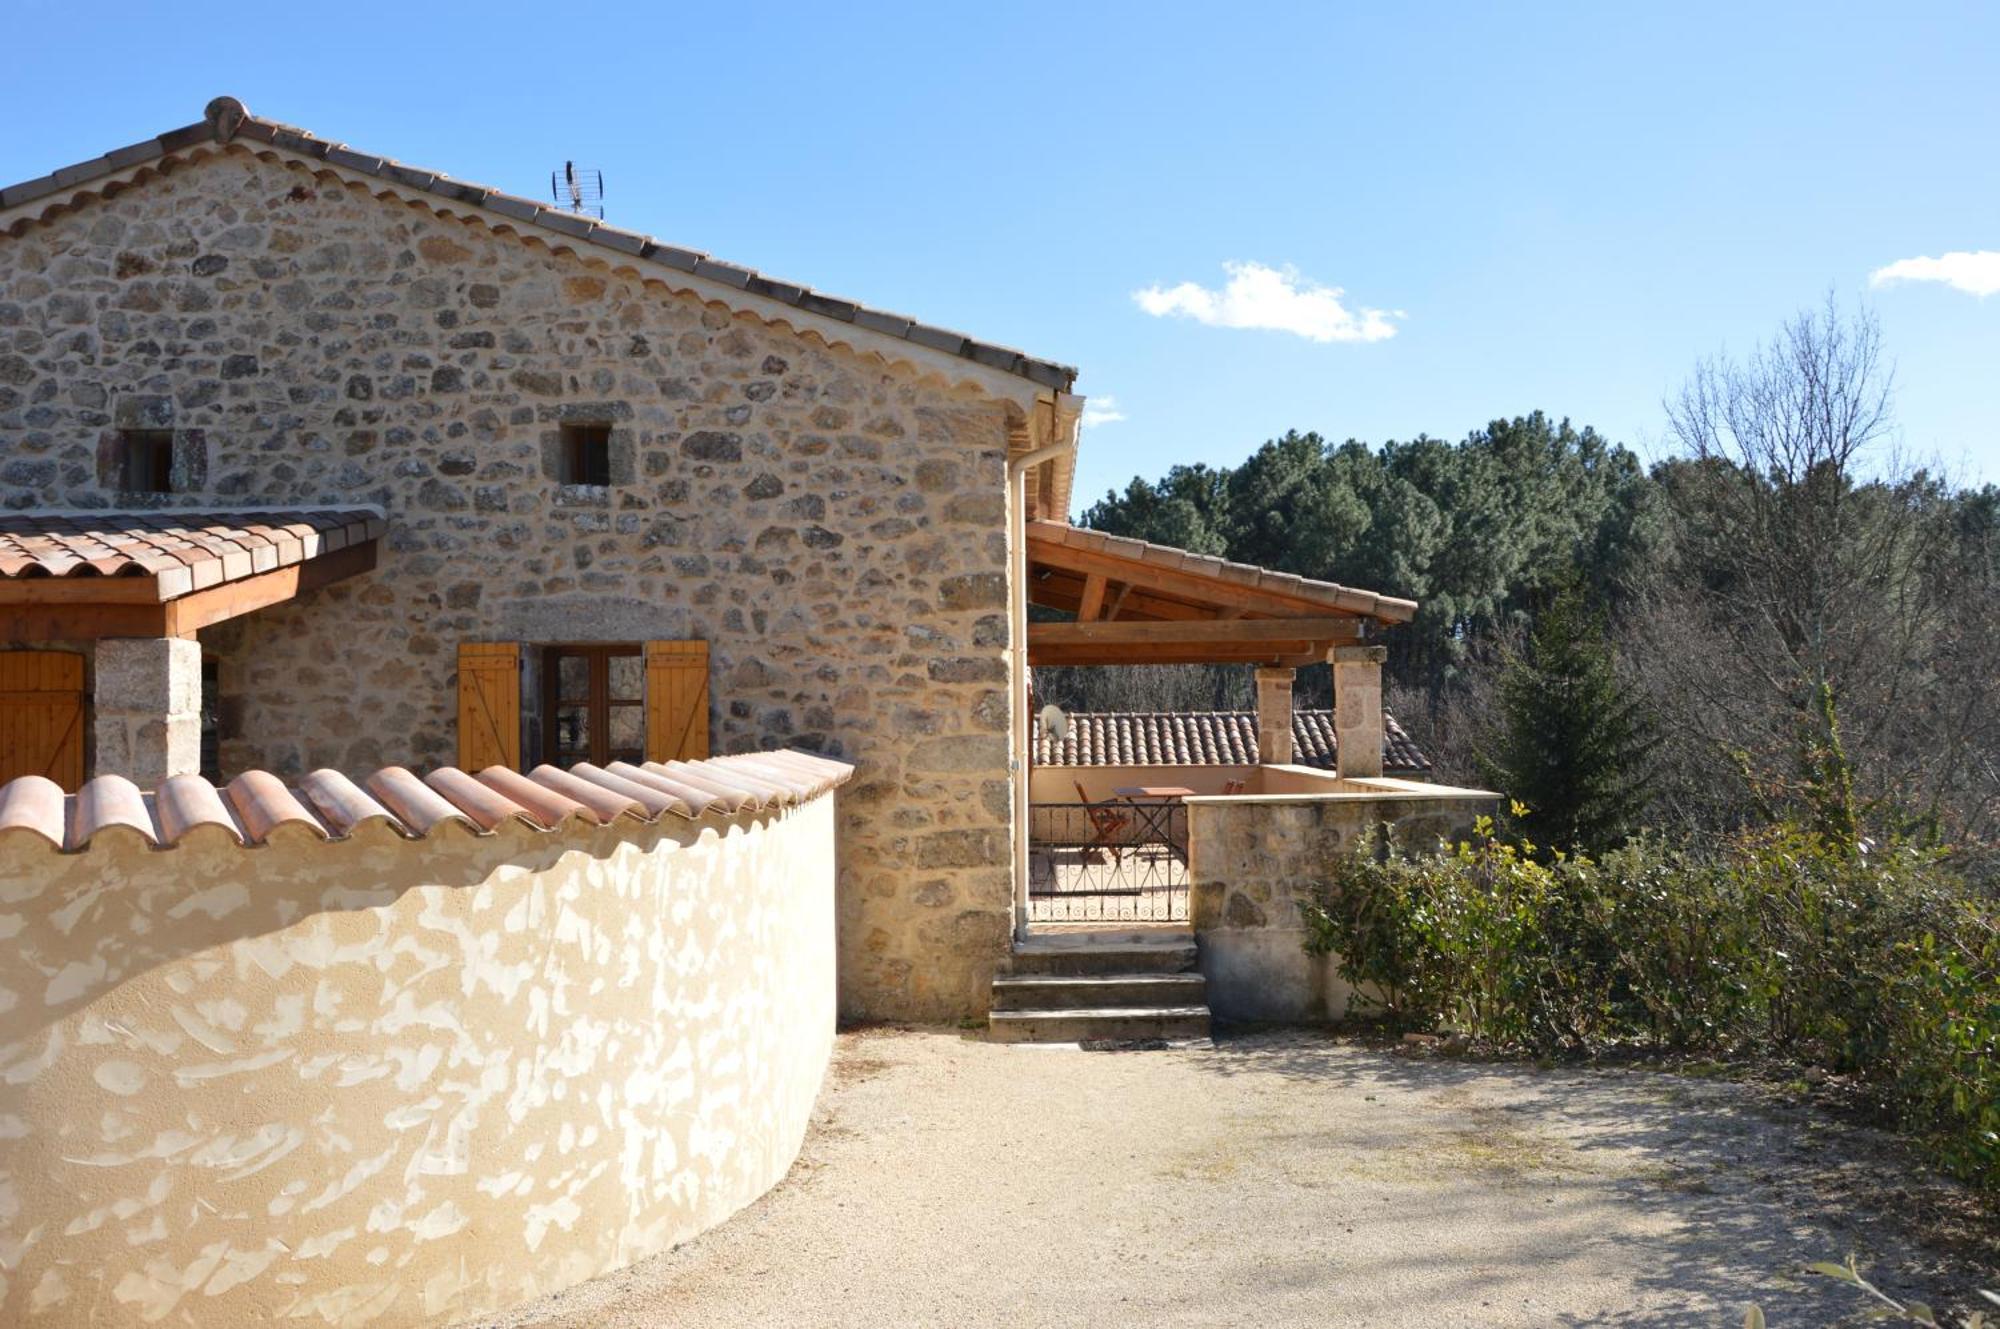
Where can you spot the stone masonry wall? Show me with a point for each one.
(834, 527)
(1252, 862)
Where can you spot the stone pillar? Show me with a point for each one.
(1357, 708)
(1274, 716)
(146, 708)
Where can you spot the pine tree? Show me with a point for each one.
(1574, 739)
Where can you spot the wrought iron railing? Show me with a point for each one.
(1115, 861)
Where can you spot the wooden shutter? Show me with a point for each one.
(41, 716)
(676, 700)
(489, 704)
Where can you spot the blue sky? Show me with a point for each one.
(1557, 207)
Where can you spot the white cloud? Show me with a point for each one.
(1976, 272)
(1277, 299)
(1101, 411)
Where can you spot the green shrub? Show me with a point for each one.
(1879, 963)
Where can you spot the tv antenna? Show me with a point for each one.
(578, 188)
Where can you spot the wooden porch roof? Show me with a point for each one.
(1141, 603)
(167, 573)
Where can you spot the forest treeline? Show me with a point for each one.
(1806, 623)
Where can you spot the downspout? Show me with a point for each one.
(1017, 489)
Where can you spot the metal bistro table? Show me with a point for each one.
(1153, 807)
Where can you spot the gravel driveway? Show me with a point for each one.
(1281, 1179)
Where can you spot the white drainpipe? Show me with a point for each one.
(1017, 489)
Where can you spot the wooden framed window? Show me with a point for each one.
(146, 461)
(593, 704)
(586, 454)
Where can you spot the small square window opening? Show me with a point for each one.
(146, 461)
(586, 454)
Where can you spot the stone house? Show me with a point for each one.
(310, 458)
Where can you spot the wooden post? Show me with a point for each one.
(1357, 709)
(1274, 716)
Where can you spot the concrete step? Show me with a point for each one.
(1124, 1024)
(1047, 992)
(1163, 953)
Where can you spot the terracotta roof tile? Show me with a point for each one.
(184, 551)
(331, 806)
(226, 118)
(1207, 738)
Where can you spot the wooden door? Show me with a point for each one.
(41, 716)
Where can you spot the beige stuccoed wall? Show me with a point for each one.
(395, 1082)
(833, 525)
(1253, 860)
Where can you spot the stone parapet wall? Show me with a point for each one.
(834, 527)
(1253, 860)
(389, 1081)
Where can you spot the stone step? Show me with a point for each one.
(1170, 953)
(1124, 1024)
(1048, 992)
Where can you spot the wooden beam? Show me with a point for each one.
(1118, 605)
(30, 623)
(1294, 653)
(1092, 603)
(1243, 631)
(121, 590)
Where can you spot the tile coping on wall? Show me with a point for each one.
(331, 806)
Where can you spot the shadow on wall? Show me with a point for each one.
(395, 1081)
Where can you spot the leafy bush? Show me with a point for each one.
(1882, 964)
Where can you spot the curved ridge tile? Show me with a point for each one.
(723, 797)
(698, 801)
(743, 795)
(109, 800)
(420, 808)
(34, 803)
(480, 803)
(545, 807)
(654, 801)
(263, 804)
(769, 790)
(605, 804)
(186, 802)
(343, 804)
(799, 782)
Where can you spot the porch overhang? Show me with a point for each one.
(84, 576)
(1141, 603)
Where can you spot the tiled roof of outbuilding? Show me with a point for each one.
(1207, 738)
(226, 119)
(184, 550)
(331, 806)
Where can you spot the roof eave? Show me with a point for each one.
(994, 367)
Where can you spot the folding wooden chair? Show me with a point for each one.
(1107, 823)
